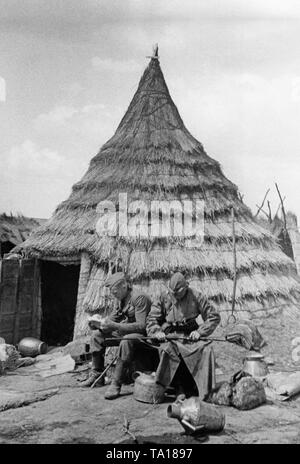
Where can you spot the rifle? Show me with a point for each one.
(168, 338)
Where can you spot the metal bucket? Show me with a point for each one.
(255, 365)
(195, 415)
(30, 346)
(146, 389)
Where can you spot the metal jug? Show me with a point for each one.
(196, 415)
(146, 389)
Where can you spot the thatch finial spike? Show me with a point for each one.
(154, 55)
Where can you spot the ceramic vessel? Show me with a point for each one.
(31, 347)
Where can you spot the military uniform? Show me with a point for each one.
(128, 322)
(165, 311)
(180, 318)
(131, 314)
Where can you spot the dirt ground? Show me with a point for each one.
(80, 415)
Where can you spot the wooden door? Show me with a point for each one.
(19, 299)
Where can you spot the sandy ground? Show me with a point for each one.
(80, 415)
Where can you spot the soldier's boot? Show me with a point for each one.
(97, 369)
(114, 389)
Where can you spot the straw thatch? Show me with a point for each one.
(16, 229)
(152, 156)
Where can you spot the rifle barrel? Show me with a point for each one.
(167, 339)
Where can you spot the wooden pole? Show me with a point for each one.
(20, 271)
(80, 326)
(234, 262)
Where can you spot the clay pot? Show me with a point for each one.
(31, 347)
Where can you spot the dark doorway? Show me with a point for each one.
(59, 285)
(5, 247)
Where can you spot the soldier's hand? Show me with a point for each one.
(160, 336)
(94, 325)
(195, 336)
(107, 325)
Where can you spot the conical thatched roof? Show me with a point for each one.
(152, 156)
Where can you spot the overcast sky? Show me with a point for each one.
(71, 68)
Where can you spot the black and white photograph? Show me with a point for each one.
(149, 225)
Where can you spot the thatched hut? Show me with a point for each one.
(14, 229)
(152, 156)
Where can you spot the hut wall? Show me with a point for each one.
(80, 327)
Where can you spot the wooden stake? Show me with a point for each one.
(234, 263)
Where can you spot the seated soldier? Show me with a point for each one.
(175, 314)
(129, 322)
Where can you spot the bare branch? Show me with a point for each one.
(279, 206)
(282, 206)
(126, 426)
(263, 211)
(270, 212)
(263, 202)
